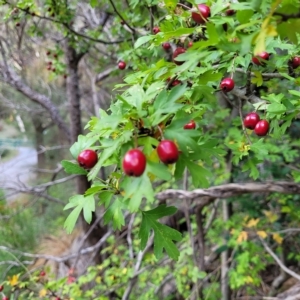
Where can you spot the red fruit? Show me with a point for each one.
(18, 24)
(176, 82)
(5, 298)
(251, 120)
(57, 298)
(65, 76)
(230, 12)
(48, 53)
(262, 128)
(205, 13)
(190, 125)
(177, 52)
(296, 62)
(49, 68)
(1, 288)
(54, 70)
(49, 63)
(134, 163)
(166, 46)
(156, 29)
(87, 158)
(190, 44)
(227, 85)
(167, 152)
(258, 59)
(122, 65)
(42, 273)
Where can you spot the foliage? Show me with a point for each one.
(147, 108)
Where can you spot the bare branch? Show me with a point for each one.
(64, 258)
(230, 190)
(10, 77)
(279, 262)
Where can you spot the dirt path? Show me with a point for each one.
(17, 171)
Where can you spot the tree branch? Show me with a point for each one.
(10, 77)
(230, 190)
(279, 262)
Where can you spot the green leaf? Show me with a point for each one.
(88, 208)
(142, 40)
(135, 189)
(244, 16)
(114, 214)
(209, 76)
(165, 104)
(93, 3)
(199, 174)
(163, 235)
(159, 170)
(276, 108)
(83, 143)
(72, 168)
(105, 197)
(72, 219)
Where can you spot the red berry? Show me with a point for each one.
(122, 65)
(190, 125)
(42, 273)
(177, 52)
(49, 68)
(156, 29)
(18, 24)
(176, 82)
(87, 158)
(205, 13)
(258, 59)
(190, 44)
(227, 85)
(1, 288)
(296, 62)
(230, 12)
(251, 120)
(5, 298)
(54, 70)
(57, 298)
(134, 163)
(55, 55)
(166, 46)
(48, 53)
(49, 62)
(167, 152)
(65, 76)
(262, 128)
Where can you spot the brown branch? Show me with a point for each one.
(103, 75)
(279, 262)
(11, 78)
(265, 76)
(116, 11)
(230, 190)
(64, 258)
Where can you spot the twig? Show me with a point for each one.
(137, 266)
(279, 262)
(129, 238)
(64, 258)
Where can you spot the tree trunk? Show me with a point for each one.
(39, 141)
(73, 94)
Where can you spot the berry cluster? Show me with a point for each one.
(252, 121)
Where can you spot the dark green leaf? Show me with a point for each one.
(163, 235)
(72, 168)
